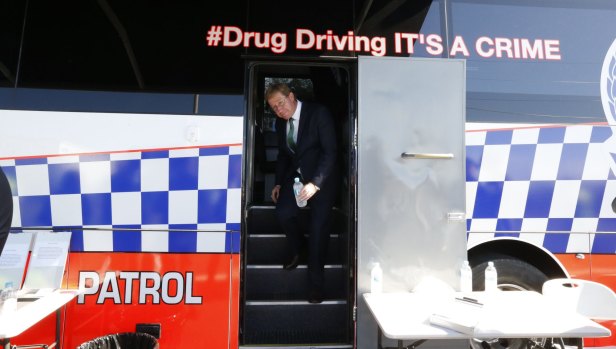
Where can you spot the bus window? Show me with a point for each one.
(560, 85)
(11, 23)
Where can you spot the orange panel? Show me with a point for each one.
(235, 303)
(577, 268)
(160, 290)
(604, 269)
(42, 333)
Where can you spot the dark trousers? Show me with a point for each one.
(319, 227)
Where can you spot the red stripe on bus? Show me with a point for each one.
(120, 151)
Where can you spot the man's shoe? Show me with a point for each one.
(292, 263)
(315, 297)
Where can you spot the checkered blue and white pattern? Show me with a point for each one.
(555, 181)
(192, 195)
(549, 186)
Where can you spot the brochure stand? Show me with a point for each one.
(13, 259)
(48, 260)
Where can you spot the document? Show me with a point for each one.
(13, 259)
(48, 260)
(459, 314)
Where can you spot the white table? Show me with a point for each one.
(512, 314)
(31, 309)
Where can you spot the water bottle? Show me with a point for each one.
(376, 279)
(490, 278)
(9, 298)
(297, 188)
(466, 278)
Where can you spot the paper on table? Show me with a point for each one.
(459, 314)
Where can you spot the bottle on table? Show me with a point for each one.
(491, 278)
(9, 298)
(297, 188)
(466, 278)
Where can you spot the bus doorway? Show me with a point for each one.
(273, 303)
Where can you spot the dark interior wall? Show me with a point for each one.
(160, 46)
(129, 45)
(11, 23)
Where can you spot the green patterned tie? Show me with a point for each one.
(290, 140)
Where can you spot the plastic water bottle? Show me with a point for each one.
(490, 278)
(297, 188)
(9, 298)
(376, 279)
(466, 278)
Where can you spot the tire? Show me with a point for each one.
(512, 275)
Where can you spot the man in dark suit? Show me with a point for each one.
(6, 209)
(306, 149)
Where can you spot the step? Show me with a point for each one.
(292, 346)
(271, 249)
(274, 283)
(262, 220)
(296, 323)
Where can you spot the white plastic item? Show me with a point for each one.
(376, 279)
(490, 278)
(466, 278)
(589, 298)
(297, 188)
(9, 299)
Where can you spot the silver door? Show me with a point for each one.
(411, 175)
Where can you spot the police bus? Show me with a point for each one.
(141, 128)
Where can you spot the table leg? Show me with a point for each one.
(580, 343)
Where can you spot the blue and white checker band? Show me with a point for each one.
(549, 186)
(552, 186)
(193, 195)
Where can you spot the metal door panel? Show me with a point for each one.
(411, 175)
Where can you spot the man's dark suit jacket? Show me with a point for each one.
(315, 154)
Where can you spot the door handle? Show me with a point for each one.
(444, 156)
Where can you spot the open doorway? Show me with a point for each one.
(273, 306)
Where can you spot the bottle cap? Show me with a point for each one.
(490, 264)
(296, 179)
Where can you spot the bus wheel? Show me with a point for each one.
(513, 275)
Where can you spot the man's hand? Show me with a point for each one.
(308, 191)
(275, 193)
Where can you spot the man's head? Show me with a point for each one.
(282, 100)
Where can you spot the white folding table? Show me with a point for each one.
(511, 314)
(30, 310)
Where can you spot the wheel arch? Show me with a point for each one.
(532, 254)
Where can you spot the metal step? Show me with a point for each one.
(300, 323)
(275, 310)
(262, 220)
(274, 283)
(311, 346)
(271, 249)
